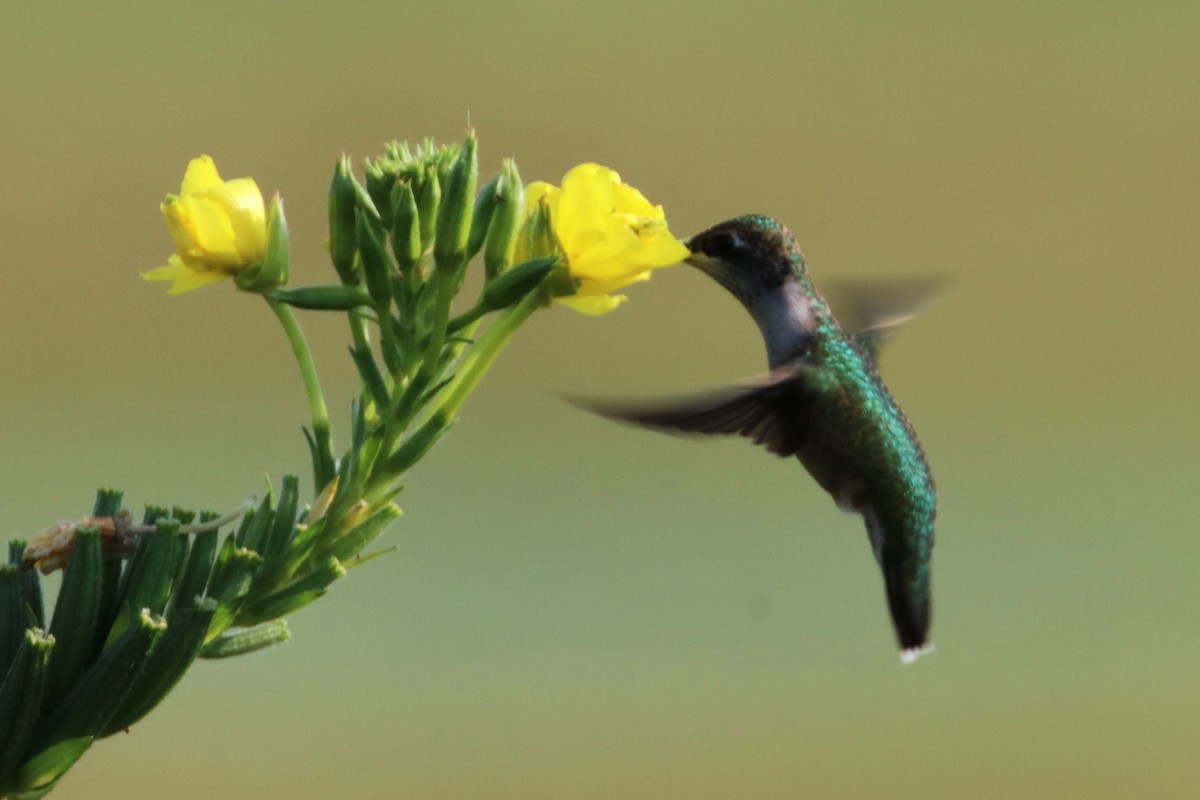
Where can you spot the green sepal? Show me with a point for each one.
(481, 215)
(76, 613)
(37, 776)
(512, 285)
(406, 228)
(163, 669)
(21, 700)
(323, 298)
(99, 692)
(295, 595)
(505, 225)
(429, 199)
(536, 237)
(239, 641)
(355, 540)
(454, 215)
(377, 265)
(272, 271)
(343, 236)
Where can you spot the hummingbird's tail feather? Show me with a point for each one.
(908, 602)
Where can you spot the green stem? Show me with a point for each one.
(441, 318)
(474, 366)
(479, 358)
(323, 468)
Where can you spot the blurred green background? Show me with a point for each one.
(582, 610)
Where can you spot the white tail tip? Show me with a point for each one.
(911, 654)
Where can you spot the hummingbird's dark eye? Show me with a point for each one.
(725, 245)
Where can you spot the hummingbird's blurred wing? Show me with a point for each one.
(870, 310)
(773, 412)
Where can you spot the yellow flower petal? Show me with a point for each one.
(185, 279)
(219, 228)
(609, 232)
(201, 174)
(595, 305)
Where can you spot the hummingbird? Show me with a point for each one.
(821, 401)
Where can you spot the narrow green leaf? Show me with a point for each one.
(255, 525)
(152, 571)
(350, 544)
(87, 708)
(166, 665)
(276, 564)
(234, 568)
(371, 376)
(39, 773)
(294, 596)
(21, 699)
(12, 614)
(75, 614)
(108, 502)
(197, 571)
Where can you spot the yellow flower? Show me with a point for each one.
(220, 227)
(609, 232)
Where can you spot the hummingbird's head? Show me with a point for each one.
(759, 262)
(751, 256)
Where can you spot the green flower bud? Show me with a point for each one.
(429, 200)
(406, 228)
(454, 215)
(343, 239)
(247, 640)
(377, 266)
(323, 298)
(272, 271)
(517, 282)
(379, 187)
(485, 203)
(506, 221)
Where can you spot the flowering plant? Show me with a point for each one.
(140, 601)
